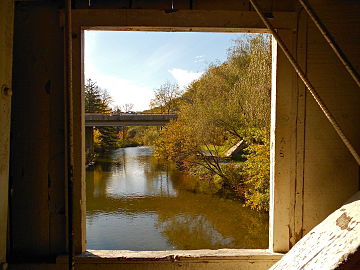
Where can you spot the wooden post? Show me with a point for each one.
(6, 37)
(79, 140)
(283, 148)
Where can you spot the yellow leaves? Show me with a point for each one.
(176, 143)
(257, 174)
(96, 136)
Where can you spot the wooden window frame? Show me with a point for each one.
(285, 213)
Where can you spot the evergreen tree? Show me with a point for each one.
(98, 100)
(109, 137)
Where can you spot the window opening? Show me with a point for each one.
(217, 86)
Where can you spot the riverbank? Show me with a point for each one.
(180, 142)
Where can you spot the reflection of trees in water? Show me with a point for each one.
(187, 220)
(154, 167)
(192, 232)
(210, 222)
(157, 172)
(95, 184)
(110, 161)
(196, 220)
(97, 175)
(167, 175)
(105, 166)
(161, 169)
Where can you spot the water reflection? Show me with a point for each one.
(137, 202)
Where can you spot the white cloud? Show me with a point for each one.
(184, 77)
(199, 59)
(124, 91)
(121, 90)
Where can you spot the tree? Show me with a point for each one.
(165, 97)
(257, 172)
(174, 144)
(98, 100)
(253, 89)
(108, 137)
(235, 95)
(229, 103)
(128, 107)
(116, 110)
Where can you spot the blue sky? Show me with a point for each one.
(130, 65)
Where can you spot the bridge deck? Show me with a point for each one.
(127, 119)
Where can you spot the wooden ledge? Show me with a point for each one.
(120, 256)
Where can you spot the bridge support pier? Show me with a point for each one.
(89, 142)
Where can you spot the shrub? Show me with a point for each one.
(257, 177)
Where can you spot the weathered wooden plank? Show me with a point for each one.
(333, 244)
(79, 195)
(182, 20)
(56, 164)
(163, 260)
(301, 52)
(37, 220)
(6, 38)
(283, 147)
(254, 259)
(244, 5)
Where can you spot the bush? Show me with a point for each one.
(257, 177)
(234, 176)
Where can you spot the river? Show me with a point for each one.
(136, 202)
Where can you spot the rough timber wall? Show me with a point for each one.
(37, 146)
(319, 173)
(313, 172)
(330, 173)
(6, 36)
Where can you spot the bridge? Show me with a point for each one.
(121, 120)
(127, 119)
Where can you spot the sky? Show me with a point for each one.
(130, 65)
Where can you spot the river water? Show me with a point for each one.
(136, 202)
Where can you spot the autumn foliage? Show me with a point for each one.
(228, 104)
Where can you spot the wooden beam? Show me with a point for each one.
(79, 142)
(181, 20)
(283, 148)
(6, 38)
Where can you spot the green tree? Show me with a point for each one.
(98, 100)
(109, 137)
